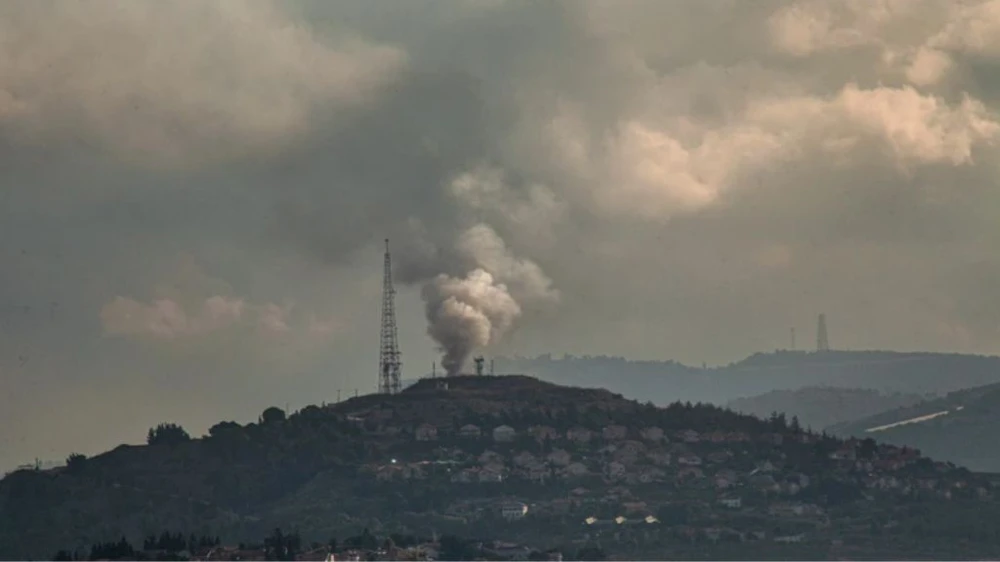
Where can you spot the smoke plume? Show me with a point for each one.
(467, 313)
(472, 312)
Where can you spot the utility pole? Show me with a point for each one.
(793, 339)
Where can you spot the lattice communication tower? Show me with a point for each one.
(388, 361)
(822, 342)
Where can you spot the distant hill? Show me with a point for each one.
(666, 381)
(822, 406)
(522, 461)
(961, 427)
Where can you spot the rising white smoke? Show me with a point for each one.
(472, 312)
(467, 313)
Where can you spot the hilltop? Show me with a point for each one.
(960, 427)
(667, 381)
(518, 460)
(823, 406)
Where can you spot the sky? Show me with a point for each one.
(194, 194)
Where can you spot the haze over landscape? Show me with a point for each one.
(196, 194)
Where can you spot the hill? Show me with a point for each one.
(521, 461)
(823, 406)
(960, 427)
(665, 381)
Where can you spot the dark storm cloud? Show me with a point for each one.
(657, 179)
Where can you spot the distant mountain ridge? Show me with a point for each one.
(822, 406)
(960, 427)
(666, 381)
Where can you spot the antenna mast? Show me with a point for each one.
(388, 362)
(822, 342)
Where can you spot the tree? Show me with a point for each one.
(280, 546)
(272, 415)
(167, 434)
(222, 427)
(868, 448)
(75, 462)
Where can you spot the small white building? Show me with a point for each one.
(732, 503)
(512, 511)
(504, 434)
(469, 430)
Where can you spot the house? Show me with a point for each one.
(524, 458)
(690, 436)
(491, 474)
(634, 507)
(470, 431)
(559, 457)
(650, 474)
(659, 458)
(426, 432)
(719, 457)
(652, 433)
(513, 510)
(724, 481)
(795, 510)
(632, 447)
(466, 476)
(614, 432)
(504, 434)
(765, 467)
(573, 470)
(689, 459)
(615, 470)
(731, 503)
(690, 472)
(764, 482)
(579, 434)
(537, 473)
(717, 436)
(543, 433)
(490, 457)
(847, 452)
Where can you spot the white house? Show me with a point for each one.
(513, 510)
(469, 430)
(732, 503)
(504, 434)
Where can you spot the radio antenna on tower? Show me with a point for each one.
(388, 362)
(822, 341)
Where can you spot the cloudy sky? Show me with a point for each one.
(195, 193)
